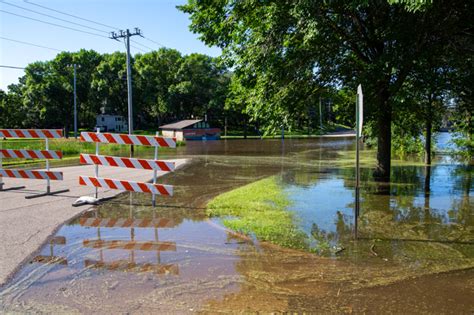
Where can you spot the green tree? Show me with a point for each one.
(199, 88)
(88, 101)
(156, 73)
(283, 51)
(109, 82)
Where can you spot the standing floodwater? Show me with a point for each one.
(130, 257)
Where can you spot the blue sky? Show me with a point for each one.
(159, 21)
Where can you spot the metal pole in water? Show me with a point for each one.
(359, 120)
(97, 166)
(48, 182)
(75, 104)
(155, 173)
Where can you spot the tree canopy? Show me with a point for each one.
(285, 53)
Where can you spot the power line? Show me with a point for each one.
(133, 41)
(53, 17)
(92, 21)
(12, 67)
(138, 48)
(27, 43)
(151, 40)
(71, 15)
(54, 24)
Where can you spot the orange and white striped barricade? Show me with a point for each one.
(46, 154)
(126, 185)
(52, 259)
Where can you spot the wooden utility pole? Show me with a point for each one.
(126, 36)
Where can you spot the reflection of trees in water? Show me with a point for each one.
(326, 239)
(391, 212)
(462, 211)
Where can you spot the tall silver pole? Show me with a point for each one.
(97, 166)
(357, 200)
(48, 182)
(155, 173)
(359, 118)
(75, 104)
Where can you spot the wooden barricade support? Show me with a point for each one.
(46, 154)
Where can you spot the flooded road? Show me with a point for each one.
(414, 252)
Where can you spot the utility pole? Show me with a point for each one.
(126, 36)
(75, 104)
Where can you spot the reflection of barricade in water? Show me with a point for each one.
(131, 245)
(52, 259)
(46, 154)
(125, 223)
(125, 265)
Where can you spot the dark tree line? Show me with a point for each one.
(167, 86)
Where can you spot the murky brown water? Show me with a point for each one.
(173, 259)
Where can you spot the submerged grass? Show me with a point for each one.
(259, 209)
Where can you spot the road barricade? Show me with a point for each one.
(46, 154)
(126, 185)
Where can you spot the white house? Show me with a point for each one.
(111, 123)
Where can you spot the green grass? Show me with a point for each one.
(259, 209)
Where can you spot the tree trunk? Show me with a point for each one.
(429, 127)
(245, 128)
(384, 141)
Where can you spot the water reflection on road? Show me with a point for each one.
(129, 257)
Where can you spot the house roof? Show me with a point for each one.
(181, 124)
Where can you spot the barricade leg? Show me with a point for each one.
(10, 188)
(2, 184)
(48, 182)
(47, 193)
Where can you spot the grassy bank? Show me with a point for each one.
(259, 209)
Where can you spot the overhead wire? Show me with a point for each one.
(71, 15)
(155, 42)
(134, 41)
(11, 67)
(71, 28)
(91, 21)
(27, 43)
(53, 17)
(54, 24)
